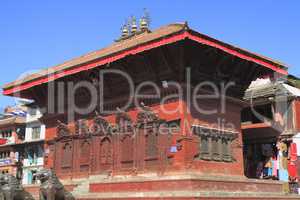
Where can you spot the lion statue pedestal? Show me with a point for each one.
(51, 188)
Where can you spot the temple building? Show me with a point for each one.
(155, 115)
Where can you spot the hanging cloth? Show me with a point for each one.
(292, 168)
(293, 152)
(283, 175)
(274, 167)
(296, 140)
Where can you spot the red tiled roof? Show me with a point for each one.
(145, 41)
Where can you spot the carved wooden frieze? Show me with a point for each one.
(100, 126)
(123, 121)
(146, 115)
(81, 127)
(62, 130)
(214, 133)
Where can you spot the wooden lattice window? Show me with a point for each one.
(204, 148)
(105, 152)
(215, 144)
(151, 145)
(127, 148)
(215, 149)
(226, 150)
(85, 152)
(66, 155)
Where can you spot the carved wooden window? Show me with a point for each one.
(215, 149)
(105, 152)
(204, 148)
(85, 153)
(226, 150)
(215, 145)
(127, 146)
(151, 145)
(127, 149)
(66, 155)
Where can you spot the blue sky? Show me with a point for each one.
(35, 34)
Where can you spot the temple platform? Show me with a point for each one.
(187, 186)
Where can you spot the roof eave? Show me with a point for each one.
(12, 88)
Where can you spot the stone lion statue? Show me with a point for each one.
(51, 188)
(11, 189)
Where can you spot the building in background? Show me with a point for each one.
(33, 144)
(12, 135)
(22, 142)
(269, 126)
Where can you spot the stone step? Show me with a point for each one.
(226, 185)
(185, 195)
(82, 188)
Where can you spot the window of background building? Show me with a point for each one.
(4, 172)
(36, 132)
(33, 153)
(31, 177)
(32, 111)
(32, 156)
(6, 133)
(4, 154)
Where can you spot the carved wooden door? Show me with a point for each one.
(84, 156)
(127, 152)
(66, 156)
(151, 149)
(106, 156)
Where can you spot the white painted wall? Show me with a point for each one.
(30, 126)
(33, 121)
(27, 177)
(35, 117)
(40, 161)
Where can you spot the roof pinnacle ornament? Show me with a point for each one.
(145, 21)
(125, 30)
(134, 27)
(131, 28)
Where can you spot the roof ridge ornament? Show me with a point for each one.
(134, 27)
(131, 28)
(145, 21)
(125, 30)
(146, 115)
(186, 26)
(62, 129)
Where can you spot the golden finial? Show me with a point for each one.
(125, 30)
(133, 25)
(145, 21)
